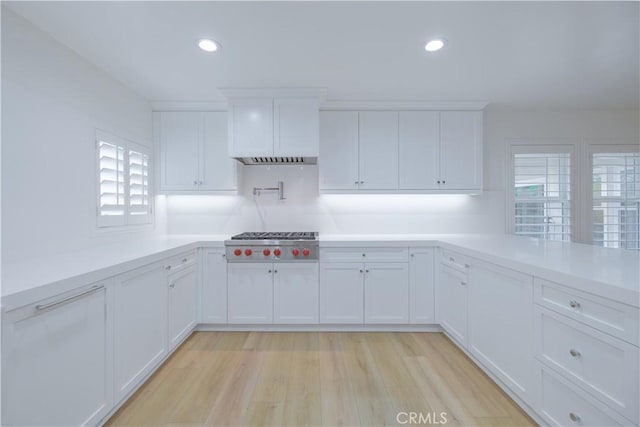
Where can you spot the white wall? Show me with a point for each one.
(304, 209)
(52, 102)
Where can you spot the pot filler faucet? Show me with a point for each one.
(279, 189)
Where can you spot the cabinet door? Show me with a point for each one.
(295, 127)
(378, 152)
(421, 286)
(341, 292)
(183, 298)
(386, 293)
(338, 159)
(140, 317)
(501, 324)
(461, 150)
(56, 362)
(250, 293)
(451, 305)
(419, 149)
(295, 293)
(251, 127)
(218, 171)
(213, 303)
(180, 136)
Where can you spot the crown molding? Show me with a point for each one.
(274, 92)
(403, 105)
(188, 106)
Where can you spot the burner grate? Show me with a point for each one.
(297, 235)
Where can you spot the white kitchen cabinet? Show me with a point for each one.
(250, 293)
(250, 124)
(295, 293)
(213, 301)
(56, 358)
(501, 324)
(295, 127)
(341, 292)
(460, 150)
(378, 150)
(421, 286)
(193, 152)
(183, 300)
(419, 150)
(338, 158)
(386, 293)
(451, 302)
(140, 318)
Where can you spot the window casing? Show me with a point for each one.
(123, 182)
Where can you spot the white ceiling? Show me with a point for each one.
(517, 55)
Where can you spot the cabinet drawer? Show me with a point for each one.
(619, 320)
(604, 366)
(454, 260)
(364, 254)
(563, 404)
(181, 261)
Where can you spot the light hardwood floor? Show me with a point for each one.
(318, 379)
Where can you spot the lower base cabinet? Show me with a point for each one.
(451, 302)
(341, 292)
(421, 286)
(57, 367)
(140, 334)
(250, 293)
(213, 299)
(386, 293)
(183, 300)
(295, 293)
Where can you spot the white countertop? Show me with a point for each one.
(610, 273)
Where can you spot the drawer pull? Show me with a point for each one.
(168, 267)
(173, 285)
(184, 260)
(574, 304)
(451, 259)
(467, 266)
(575, 418)
(463, 283)
(269, 271)
(366, 271)
(91, 290)
(364, 255)
(574, 353)
(361, 271)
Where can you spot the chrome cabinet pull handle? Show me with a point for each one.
(168, 267)
(574, 304)
(467, 266)
(463, 283)
(93, 289)
(361, 271)
(173, 285)
(574, 353)
(195, 182)
(366, 271)
(451, 259)
(574, 417)
(184, 259)
(275, 271)
(269, 271)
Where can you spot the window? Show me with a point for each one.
(616, 200)
(123, 182)
(542, 194)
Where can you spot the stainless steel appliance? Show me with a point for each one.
(273, 247)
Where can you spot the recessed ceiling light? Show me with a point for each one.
(208, 45)
(434, 45)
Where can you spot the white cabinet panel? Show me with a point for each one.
(140, 316)
(374, 254)
(338, 158)
(295, 293)
(183, 299)
(386, 293)
(341, 292)
(213, 303)
(419, 140)
(378, 151)
(421, 286)
(250, 127)
(451, 302)
(57, 366)
(295, 127)
(461, 150)
(501, 324)
(250, 293)
(180, 134)
(218, 171)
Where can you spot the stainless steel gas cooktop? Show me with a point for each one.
(273, 247)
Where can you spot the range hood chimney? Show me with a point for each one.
(274, 126)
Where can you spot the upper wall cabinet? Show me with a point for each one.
(405, 151)
(193, 152)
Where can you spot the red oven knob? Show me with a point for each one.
(295, 252)
(276, 252)
(305, 252)
(266, 252)
(237, 252)
(247, 252)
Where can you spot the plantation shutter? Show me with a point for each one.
(542, 195)
(139, 198)
(112, 192)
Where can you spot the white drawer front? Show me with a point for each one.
(562, 404)
(604, 366)
(364, 254)
(619, 320)
(455, 260)
(181, 261)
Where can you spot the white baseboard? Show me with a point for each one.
(318, 328)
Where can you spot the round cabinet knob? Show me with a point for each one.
(295, 252)
(306, 252)
(276, 252)
(266, 252)
(237, 252)
(248, 252)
